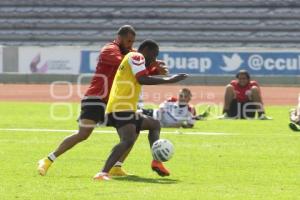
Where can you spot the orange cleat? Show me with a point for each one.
(159, 168)
(101, 177)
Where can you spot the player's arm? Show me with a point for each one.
(137, 63)
(155, 80)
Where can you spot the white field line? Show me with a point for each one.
(105, 131)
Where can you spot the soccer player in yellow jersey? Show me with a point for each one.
(122, 105)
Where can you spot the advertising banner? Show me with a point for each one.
(207, 62)
(49, 60)
(229, 62)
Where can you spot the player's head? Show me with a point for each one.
(185, 96)
(126, 37)
(243, 77)
(150, 50)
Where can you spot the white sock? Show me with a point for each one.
(51, 157)
(118, 164)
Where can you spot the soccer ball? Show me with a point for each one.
(162, 150)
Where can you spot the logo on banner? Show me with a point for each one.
(34, 65)
(201, 64)
(232, 63)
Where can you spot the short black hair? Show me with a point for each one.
(244, 72)
(125, 29)
(150, 44)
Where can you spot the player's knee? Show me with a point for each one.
(129, 142)
(83, 135)
(254, 90)
(156, 125)
(229, 88)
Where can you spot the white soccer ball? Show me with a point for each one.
(162, 150)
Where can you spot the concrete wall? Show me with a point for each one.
(193, 80)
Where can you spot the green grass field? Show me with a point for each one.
(253, 160)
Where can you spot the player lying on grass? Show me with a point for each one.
(94, 102)
(176, 111)
(122, 105)
(243, 98)
(295, 118)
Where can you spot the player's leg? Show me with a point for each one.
(149, 123)
(117, 169)
(92, 112)
(248, 110)
(295, 119)
(255, 96)
(83, 133)
(128, 135)
(85, 129)
(228, 97)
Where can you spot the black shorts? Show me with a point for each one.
(119, 119)
(241, 110)
(93, 109)
(148, 112)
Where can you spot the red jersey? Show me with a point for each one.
(108, 62)
(240, 92)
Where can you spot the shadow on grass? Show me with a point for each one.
(146, 180)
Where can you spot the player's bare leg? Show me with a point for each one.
(228, 97)
(153, 126)
(85, 129)
(128, 135)
(117, 169)
(154, 133)
(256, 97)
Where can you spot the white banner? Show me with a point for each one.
(49, 60)
(1, 59)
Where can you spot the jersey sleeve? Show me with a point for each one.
(137, 64)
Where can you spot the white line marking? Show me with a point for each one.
(105, 131)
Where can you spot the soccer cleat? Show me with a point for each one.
(159, 168)
(118, 171)
(43, 166)
(224, 116)
(294, 126)
(264, 117)
(101, 176)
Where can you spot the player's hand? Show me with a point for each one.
(162, 68)
(178, 77)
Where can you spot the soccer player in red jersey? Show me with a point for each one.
(243, 98)
(94, 102)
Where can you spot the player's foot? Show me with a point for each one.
(159, 168)
(224, 116)
(118, 171)
(294, 126)
(101, 176)
(43, 166)
(264, 117)
(206, 112)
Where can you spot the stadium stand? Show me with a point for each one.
(190, 23)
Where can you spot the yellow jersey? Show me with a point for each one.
(125, 91)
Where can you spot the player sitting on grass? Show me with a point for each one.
(122, 105)
(243, 98)
(176, 111)
(94, 102)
